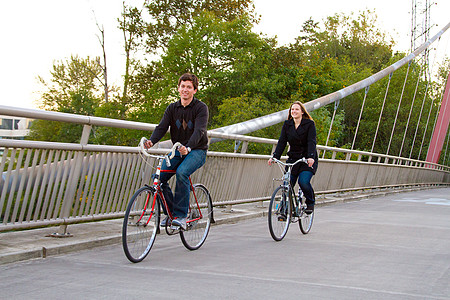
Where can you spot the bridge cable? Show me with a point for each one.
(426, 127)
(381, 112)
(366, 90)
(446, 148)
(336, 104)
(418, 120)
(398, 108)
(410, 112)
(437, 113)
(427, 72)
(436, 119)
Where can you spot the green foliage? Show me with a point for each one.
(240, 109)
(322, 118)
(244, 75)
(356, 40)
(167, 17)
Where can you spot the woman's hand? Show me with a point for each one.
(310, 162)
(270, 161)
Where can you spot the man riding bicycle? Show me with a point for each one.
(187, 119)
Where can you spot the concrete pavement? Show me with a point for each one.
(390, 247)
(36, 243)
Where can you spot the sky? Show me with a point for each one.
(35, 34)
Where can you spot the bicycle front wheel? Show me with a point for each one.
(199, 218)
(141, 224)
(279, 213)
(305, 222)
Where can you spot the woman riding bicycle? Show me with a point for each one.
(299, 131)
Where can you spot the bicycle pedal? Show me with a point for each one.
(173, 227)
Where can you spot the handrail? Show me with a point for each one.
(124, 149)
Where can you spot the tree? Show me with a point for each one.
(355, 40)
(167, 17)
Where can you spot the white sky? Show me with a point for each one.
(36, 33)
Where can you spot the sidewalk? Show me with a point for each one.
(36, 243)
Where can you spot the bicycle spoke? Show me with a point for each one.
(199, 218)
(279, 214)
(140, 225)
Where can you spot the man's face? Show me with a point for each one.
(186, 90)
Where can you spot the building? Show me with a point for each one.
(14, 127)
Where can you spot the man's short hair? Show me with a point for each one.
(189, 77)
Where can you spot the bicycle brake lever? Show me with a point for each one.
(167, 161)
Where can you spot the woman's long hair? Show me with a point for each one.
(305, 113)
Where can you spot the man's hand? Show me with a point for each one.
(183, 150)
(148, 144)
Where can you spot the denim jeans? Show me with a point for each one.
(184, 166)
(304, 181)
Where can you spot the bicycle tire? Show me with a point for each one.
(197, 230)
(279, 216)
(141, 224)
(305, 222)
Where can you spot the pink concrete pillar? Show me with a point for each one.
(440, 132)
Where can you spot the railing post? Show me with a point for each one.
(244, 147)
(72, 183)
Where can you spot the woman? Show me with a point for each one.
(299, 131)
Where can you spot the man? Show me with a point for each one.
(187, 119)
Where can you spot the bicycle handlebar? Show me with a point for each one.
(303, 159)
(166, 156)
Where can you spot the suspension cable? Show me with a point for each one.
(427, 79)
(436, 118)
(336, 104)
(381, 112)
(426, 127)
(409, 116)
(360, 114)
(398, 108)
(446, 148)
(418, 120)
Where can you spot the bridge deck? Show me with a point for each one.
(390, 247)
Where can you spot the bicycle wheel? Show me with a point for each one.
(141, 224)
(199, 218)
(305, 221)
(279, 213)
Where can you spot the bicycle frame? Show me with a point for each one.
(287, 182)
(142, 223)
(158, 190)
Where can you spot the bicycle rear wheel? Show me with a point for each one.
(305, 222)
(141, 224)
(279, 213)
(199, 218)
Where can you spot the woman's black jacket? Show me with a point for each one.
(302, 142)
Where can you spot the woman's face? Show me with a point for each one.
(296, 111)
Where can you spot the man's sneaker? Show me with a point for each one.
(165, 222)
(309, 209)
(181, 222)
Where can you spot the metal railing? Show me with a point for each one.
(46, 183)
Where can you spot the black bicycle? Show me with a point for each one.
(285, 207)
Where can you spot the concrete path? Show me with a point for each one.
(391, 247)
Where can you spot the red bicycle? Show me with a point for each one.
(142, 217)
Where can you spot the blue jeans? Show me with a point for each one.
(184, 166)
(304, 181)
